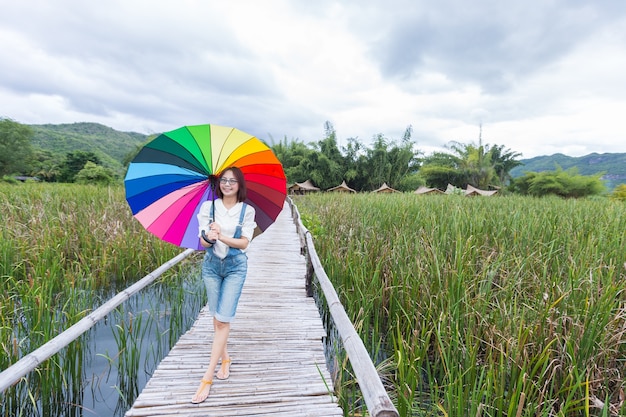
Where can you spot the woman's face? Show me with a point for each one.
(229, 185)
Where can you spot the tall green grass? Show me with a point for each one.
(502, 306)
(61, 247)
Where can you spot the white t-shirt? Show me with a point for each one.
(228, 219)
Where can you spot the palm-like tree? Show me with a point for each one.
(482, 166)
(475, 164)
(503, 162)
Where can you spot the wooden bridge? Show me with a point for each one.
(279, 367)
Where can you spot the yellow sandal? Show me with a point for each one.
(227, 373)
(203, 385)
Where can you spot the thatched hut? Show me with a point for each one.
(473, 191)
(342, 188)
(302, 187)
(469, 191)
(385, 189)
(425, 190)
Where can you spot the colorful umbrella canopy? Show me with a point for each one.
(170, 178)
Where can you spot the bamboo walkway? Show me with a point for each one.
(279, 367)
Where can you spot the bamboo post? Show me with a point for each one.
(376, 398)
(29, 362)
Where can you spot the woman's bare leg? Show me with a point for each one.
(224, 371)
(220, 339)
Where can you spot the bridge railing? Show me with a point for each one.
(374, 394)
(21, 368)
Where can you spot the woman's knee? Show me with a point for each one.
(220, 325)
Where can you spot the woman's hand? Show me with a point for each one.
(214, 231)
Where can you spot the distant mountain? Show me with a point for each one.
(110, 145)
(612, 166)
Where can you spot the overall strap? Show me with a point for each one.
(233, 251)
(240, 224)
(242, 214)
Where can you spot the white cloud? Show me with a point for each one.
(540, 78)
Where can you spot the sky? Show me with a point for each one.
(537, 77)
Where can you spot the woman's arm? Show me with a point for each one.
(247, 231)
(237, 243)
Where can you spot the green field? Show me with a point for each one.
(501, 306)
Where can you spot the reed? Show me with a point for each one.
(487, 306)
(63, 249)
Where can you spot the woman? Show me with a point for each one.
(228, 225)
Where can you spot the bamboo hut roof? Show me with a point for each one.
(426, 190)
(451, 189)
(342, 188)
(472, 191)
(306, 186)
(385, 189)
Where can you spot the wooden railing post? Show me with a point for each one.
(376, 397)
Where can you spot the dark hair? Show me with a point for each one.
(242, 192)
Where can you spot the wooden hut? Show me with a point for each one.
(342, 188)
(426, 190)
(469, 191)
(385, 189)
(473, 191)
(302, 187)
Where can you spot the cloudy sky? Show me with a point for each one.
(541, 76)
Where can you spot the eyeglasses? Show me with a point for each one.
(230, 181)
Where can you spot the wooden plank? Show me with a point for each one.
(279, 366)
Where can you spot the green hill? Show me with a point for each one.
(612, 166)
(110, 145)
(113, 146)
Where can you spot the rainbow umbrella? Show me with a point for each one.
(172, 175)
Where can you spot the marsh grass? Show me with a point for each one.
(64, 250)
(504, 306)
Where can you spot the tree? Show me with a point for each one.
(378, 161)
(362, 168)
(503, 162)
(295, 157)
(561, 183)
(45, 165)
(619, 193)
(439, 176)
(15, 147)
(388, 162)
(410, 182)
(405, 164)
(475, 164)
(94, 174)
(355, 164)
(482, 166)
(74, 162)
(328, 167)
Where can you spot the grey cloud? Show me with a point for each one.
(157, 65)
(492, 47)
(102, 65)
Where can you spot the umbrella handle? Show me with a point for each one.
(206, 239)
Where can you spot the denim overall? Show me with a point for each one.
(224, 278)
